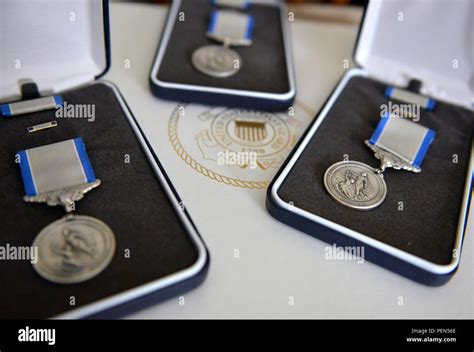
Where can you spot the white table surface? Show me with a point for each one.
(277, 265)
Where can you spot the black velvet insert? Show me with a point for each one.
(432, 199)
(130, 200)
(264, 66)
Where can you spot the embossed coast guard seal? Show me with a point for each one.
(237, 147)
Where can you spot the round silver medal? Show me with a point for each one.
(74, 249)
(355, 185)
(217, 61)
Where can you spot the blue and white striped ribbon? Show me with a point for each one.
(32, 105)
(406, 96)
(403, 138)
(55, 166)
(231, 27)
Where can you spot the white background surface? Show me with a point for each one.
(276, 262)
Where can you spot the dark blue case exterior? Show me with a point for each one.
(220, 99)
(108, 60)
(372, 254)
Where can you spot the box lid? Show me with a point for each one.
(56, 44)
(426, 40)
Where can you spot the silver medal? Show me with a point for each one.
(74, 249)
(398, 143)
(355, 185)
(230, 28)
(216, 61)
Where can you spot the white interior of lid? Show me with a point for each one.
(58, 44)
(428, 40)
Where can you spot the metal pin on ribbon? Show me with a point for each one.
(42, 126)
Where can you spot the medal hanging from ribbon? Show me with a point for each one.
(231, 29)
(398, 143)
(74, 248)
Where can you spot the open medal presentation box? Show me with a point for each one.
(418, 230)
(63, 47)
(266, 78)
